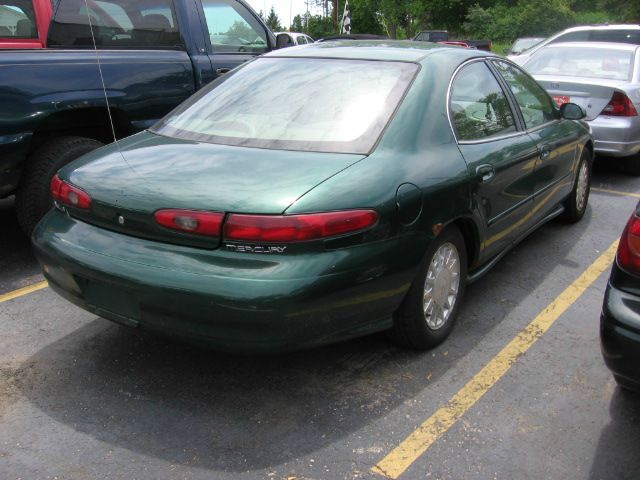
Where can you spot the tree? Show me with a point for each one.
(297, 24)
(273, 22)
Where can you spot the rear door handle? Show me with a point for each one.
(485, 172)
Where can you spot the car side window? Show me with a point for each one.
(479, 107)
(534, 102)
(232, 28)
(301, 40)
(580, 36)
(124, 24)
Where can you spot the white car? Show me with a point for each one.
(297, 38)
(585, 33)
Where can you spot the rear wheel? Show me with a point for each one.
(33, 198)
(576, 203)
(428, 312)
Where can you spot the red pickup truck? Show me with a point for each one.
(24, 23)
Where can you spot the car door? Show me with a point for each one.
(555, 138)
(235, 34)
(499, 154)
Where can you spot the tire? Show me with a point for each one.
(33, 198)
(576, 203)
(412, 326)
(632, 164)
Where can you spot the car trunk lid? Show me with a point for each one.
(151, 172)
(592, 96)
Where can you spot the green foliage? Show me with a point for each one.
(273, 22)
(319, 26)
(241, 30)
(498, 20)
(297, 24)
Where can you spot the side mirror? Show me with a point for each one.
(283, 40)
(571, 111)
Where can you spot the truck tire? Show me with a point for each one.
(33, 198)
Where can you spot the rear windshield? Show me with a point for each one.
(602, 63)
(322, 105)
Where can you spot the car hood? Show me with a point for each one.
(148, 172)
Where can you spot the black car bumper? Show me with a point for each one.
(620, 335)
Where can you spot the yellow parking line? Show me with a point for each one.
(23, 291)
(616, 192)
(403, 456)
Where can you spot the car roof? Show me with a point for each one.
(623, 26)
(608, 45)
(390, 50)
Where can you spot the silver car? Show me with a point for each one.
(585, 33)
(604, 79)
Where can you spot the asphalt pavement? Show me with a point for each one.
(83, 398)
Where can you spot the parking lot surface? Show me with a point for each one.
(82, 398)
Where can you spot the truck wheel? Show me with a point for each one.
(576, 203)
(33, 198)
(428, 312)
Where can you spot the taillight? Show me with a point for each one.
(620, 106)
(628, 255)
(192, 221)
(296, 228)
(69, 194)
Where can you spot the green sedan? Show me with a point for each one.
(315, 194)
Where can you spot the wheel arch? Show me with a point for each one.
(470, 233)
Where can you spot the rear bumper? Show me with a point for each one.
(620, 333)
(226, 300)
(616, 136)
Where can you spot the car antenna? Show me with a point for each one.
(104, 88)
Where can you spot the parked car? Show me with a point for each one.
(296, 38)
(155, 54)
(586, 33)
(620, 319)
(522, 44)
(439, 36)
(24, 23)
(604, 79)
(315, 195)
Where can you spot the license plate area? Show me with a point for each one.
(110, 298)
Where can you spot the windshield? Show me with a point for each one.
(523, 44)
(310, 104)
(605, 63)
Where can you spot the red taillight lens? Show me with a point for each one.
(620, 106)
(69, 194)
(192, 221)
(297, 228)
(628, 255)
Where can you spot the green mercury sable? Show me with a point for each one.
(315, 194)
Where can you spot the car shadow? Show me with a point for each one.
(618, 453)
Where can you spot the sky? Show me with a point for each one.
(285, 9)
